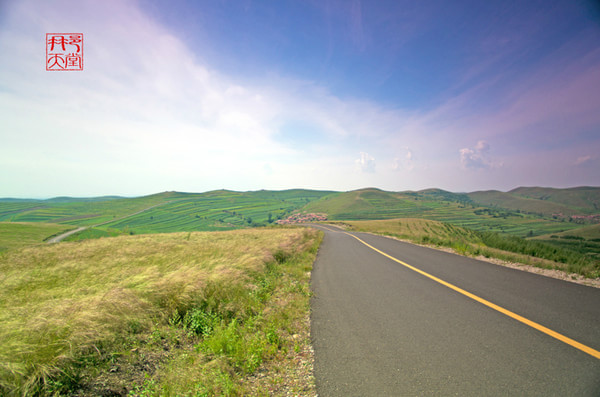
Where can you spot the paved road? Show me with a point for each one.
(382, 329)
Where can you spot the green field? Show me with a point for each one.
(80, 212)
(218, 210)
(164, 212)
(585, 239)
(158, 213)
(20, 234)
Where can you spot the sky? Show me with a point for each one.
(320, 94)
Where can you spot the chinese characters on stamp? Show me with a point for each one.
(64, 51)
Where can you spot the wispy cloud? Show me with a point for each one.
(477, 157)
(149, 109)
(583, 160)
(366, 162)
(404, 162)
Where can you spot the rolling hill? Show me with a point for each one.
(162, 212)
(368, 203)
(524, 212)
(546, 201)
(584, 198)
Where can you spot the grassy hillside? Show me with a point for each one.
(585, 239)
(585, 198)
(163, 212)
(218, 210)
(366, 204)
(20, 234)
(434, 204)
(546, 201)
(513, 213)
(80, 212)
(494, 198)
(162, 314)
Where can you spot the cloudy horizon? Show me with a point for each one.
(335, 95)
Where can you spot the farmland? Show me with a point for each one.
(163, 212)
(523, 212)
(459, 210)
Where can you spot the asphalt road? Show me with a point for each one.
(382, 329)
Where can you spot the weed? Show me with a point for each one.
(200, 322)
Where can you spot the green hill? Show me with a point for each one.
(495, 198)
(585, 199)
(540, 200)
(161, 212)
(591, 232)
(523, 212)
(443, 195)
(366, 204)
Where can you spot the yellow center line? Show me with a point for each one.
(539, 327)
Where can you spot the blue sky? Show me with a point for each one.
(246, 95)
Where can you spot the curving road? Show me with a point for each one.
(381, 328)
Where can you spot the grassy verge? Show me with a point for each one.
(196, 314)
(487, 244)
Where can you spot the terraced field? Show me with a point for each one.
(372, 204)
(164, 212)
(521, 212)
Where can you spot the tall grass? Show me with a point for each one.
(221, 304)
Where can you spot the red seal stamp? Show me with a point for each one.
(64, 51)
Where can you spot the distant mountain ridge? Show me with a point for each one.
(524, 211)
(570, 201)
(374, 203)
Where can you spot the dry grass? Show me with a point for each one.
(58, 303)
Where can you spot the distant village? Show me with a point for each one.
(302, 218)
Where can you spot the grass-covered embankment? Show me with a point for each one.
(21, 234)
(173, 314)
(487, 244)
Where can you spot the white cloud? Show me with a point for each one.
(405, 161)
(148, 112)
(476, 158)
(366, 162)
